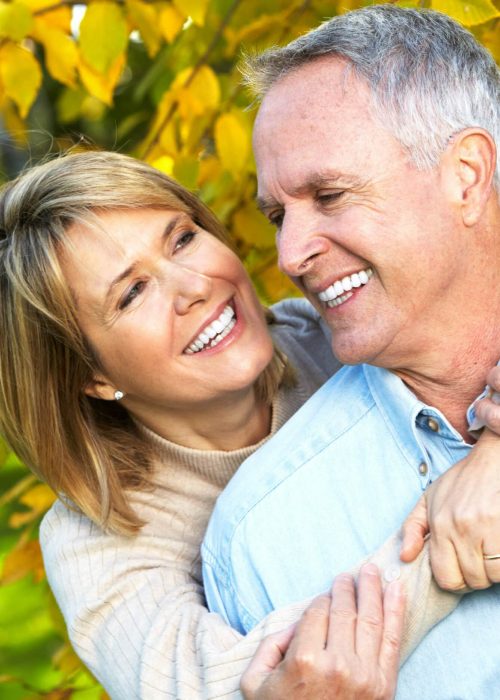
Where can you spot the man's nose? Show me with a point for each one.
(299, 245)
(190, 287)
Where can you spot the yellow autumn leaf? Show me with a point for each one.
(251, 226)
(39, 498)
(196, 93)
(15, 20)
(165, 164)
(275, 285)
(170, 22)
(468, 12)
(20, 75)
(145, 18)
(99, 85)
(232, 143)
(196, 9)
(61, 53)
(24, 559)
(59, 18)
(103, 35)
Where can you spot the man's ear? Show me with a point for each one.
(100, 388)
(473, 153)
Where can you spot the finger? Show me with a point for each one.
(414, 530)
(472, 566)
(444, 564)
(343, 615)
(493, 378)
(394, 608)
(492, 569)
(370, 620)
(268, 656)
(312, 629)
(488, 413)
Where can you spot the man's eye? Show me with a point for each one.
(184, 239)
(276, 218)
(131, 294)
(329, 197)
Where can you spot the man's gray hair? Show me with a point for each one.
(429, 77)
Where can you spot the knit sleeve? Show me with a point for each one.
(138, 620)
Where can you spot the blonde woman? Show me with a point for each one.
(137, 371)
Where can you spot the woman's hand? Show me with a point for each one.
(341, 648)
(461, 510)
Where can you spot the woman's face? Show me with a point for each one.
(168, 308)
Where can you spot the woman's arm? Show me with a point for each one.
(345, 647)
(136, 616)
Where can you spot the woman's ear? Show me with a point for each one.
(100, 388)
(474, 157)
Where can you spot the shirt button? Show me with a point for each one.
(423, 468)
(433, 425)
(392, 573)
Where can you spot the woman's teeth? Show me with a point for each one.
(214, 332)
(340, 291)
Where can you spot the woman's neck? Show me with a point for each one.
(230, 423)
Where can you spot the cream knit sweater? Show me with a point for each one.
(134, 606)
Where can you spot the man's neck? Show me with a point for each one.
(452, 383)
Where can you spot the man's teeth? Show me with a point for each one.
(214, 332)
(340, 291)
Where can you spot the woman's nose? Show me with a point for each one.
(190, 287)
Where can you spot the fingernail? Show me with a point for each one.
(395, 589)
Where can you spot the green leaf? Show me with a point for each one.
(103, 35)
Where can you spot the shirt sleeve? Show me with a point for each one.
(138, 620)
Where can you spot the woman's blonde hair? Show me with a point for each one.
(87, 450)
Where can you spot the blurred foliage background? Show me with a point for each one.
(157, 80)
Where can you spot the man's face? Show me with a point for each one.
(373, 243)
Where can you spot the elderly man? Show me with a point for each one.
(375, 147)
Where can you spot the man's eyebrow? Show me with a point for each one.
(312, 184)
(130, 269)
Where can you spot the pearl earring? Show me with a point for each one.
(119, 395)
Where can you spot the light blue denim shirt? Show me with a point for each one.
(327, 490)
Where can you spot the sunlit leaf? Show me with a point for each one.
(170, 22)
(24, 559)
(58, 18)
(469, 12)
(99, 85)
(145, 18)
(165, 164)
(232, 142)
(39, 498)
(196, 94)
(15, 20)
(251, 226)
(21, 76)
(103, 35)
(196, 9)
(61, 53)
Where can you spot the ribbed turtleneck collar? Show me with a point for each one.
(218, 466)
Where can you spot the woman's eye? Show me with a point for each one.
(132, 293)
(184, 239)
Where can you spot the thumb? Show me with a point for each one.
(268, 656)
(414, 530)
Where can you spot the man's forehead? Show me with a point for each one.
(326, 81)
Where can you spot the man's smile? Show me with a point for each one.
(341, 290)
